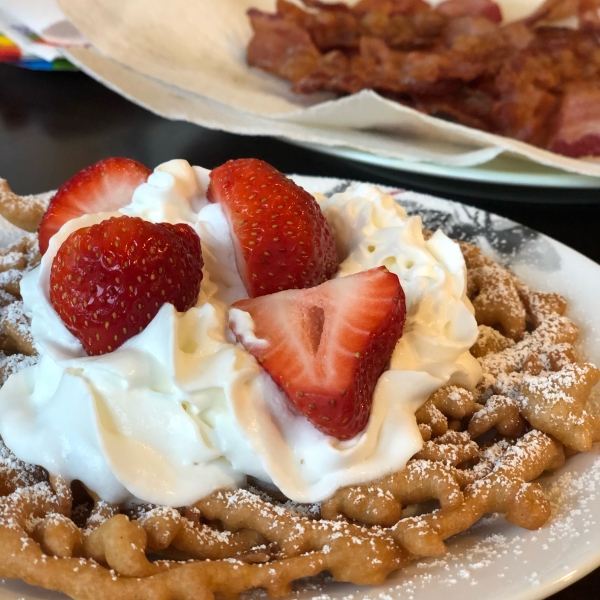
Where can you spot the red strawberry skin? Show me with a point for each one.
(281, 238)
(328, 345)
(102, 187)
(108, 281)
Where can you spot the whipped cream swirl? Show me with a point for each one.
(181, 410)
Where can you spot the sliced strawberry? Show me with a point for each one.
(327, 346)
(281, 238)
(108, 281)
(102, 187)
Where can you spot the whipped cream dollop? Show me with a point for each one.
(181, 409)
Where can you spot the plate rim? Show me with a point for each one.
(475, 174)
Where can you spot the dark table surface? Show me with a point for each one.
(52, 124)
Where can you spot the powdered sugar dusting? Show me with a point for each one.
(494, 558)
(14, 202)
(15, 472)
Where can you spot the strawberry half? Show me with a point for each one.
(281, 238)
(327, 346)
(108, 281)
(102, 187)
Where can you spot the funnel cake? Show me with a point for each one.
(482, 452)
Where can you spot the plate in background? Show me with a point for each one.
(504, 170)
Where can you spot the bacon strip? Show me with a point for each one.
(281, 47)
(400, 7)
(472, 8)
(578, 123)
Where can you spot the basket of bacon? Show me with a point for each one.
(456, 84)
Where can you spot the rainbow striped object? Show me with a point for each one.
(13, 54)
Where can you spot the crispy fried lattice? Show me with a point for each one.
(34, 526)
(494, 293)
(16, 326)
(25, 212)
(499, 412)
(444, 408)
(549, 342)
(15, 473)
(489, 341)
(452, 448)
(380, 502)
(482, 450)
(17, 349)
(555, 402)
(505, 490)
(22, 557)
(539, 305)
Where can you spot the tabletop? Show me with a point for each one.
(52, 124)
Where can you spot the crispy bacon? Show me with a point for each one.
(472, 107)
(472, 8)
(404, 32)
(523, 115)
(517, 35)
(588, 12)
(458, 61)
(328, 6)
(280, 46)
(330, 26)
(388, 7)
(578, 124)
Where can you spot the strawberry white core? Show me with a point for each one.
(181, 409)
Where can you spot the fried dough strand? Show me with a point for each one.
(381, 502)
(506, 489)
(359, 555)
(16, 474)
(24, 212)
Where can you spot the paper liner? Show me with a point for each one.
(186, 60)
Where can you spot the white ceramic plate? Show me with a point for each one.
(504, 169)
(493, 560)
